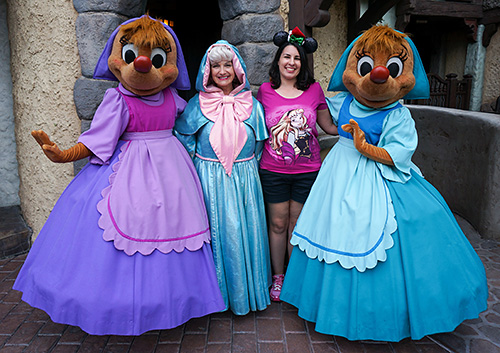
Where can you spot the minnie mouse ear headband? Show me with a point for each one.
(296, 36)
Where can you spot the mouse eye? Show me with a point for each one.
(129, 53)
(365, 65)
(158, 57)
(395, 66)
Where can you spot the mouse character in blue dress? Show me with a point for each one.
(378, 254)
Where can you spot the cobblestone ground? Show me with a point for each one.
(277, 329)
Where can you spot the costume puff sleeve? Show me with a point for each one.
(180, 103)
(190, 121)
(258, 123)
(110, 121)
(334, 104)
(399, 138)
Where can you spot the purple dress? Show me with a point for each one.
(126, 248)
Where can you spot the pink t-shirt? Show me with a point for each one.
(293, 145)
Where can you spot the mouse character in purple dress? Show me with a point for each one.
(126, 248)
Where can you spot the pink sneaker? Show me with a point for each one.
(276, 287)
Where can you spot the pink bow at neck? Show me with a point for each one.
(228, 135)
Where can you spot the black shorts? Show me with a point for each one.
(279, 187)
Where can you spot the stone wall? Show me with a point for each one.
(458, 153)
(9, 177)
(251, 25)
(44, 70)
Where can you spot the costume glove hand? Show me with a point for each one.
(53, 152)
(378, 154)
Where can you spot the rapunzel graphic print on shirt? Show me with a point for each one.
(293, 146)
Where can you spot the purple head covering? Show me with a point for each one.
(102, 71)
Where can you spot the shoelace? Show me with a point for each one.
(277, 284)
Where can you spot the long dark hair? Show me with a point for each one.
(305, 77)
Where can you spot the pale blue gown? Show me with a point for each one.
(235, 205)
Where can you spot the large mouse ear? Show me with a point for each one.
(336, 83)
(310, 45)
(280, 38)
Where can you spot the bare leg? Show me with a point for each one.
(279, 220)
(295, 209)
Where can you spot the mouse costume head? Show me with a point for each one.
(380, 67)
(145, 56)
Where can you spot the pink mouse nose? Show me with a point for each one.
(379, 74)
(142, 64)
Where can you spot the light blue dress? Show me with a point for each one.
(235, 205)
(378, 254)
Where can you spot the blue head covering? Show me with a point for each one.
(102, 71)
(204, 70)
(420, 91)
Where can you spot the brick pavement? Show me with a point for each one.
(276, 329)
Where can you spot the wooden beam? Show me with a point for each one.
(402, 21)
(353, 11)
(489, 31)
(296, 16)
(316, 13)
(491, 22)
(307, 14)
(405, 7)
(491, 17)
(447, 8)
(373, 14)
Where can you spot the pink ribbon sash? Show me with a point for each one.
(228, 135)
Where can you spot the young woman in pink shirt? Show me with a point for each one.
(293, 103)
